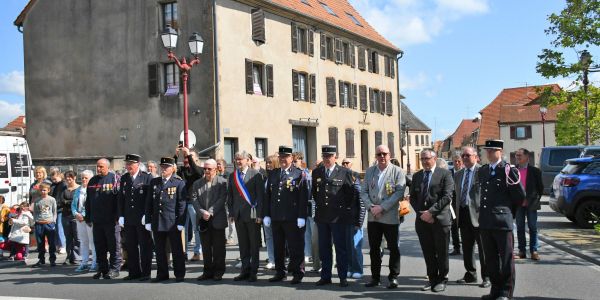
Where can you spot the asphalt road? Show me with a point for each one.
(557, 276)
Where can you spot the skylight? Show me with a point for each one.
(328, 9)
(354, 19)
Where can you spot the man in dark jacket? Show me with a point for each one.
(190, 172)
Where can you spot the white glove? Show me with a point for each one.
(121, 221)
(144, 220)
(148, 227)
(179, 227)
(267, 221)
(301, 222)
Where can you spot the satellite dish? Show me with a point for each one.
(191, 139)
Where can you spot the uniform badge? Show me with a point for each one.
(141, 192)
(389, 189)
(318, 179)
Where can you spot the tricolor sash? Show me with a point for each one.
(243, 190)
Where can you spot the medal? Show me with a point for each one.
(253, 213)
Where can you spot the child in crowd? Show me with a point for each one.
(4, 226)
(45, 215)
(18, 239)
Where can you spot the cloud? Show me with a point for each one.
(416, 82)
(13, 83)
(9, 111)
(413, 22)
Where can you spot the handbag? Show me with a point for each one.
(404, 208)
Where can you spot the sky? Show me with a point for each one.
(458, 54)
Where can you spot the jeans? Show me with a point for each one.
(72, 240)
(355, 256)
(43, 232)
(269, 242)
(61, 240)
(531, 215)
(191, 217)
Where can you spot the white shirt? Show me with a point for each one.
(380, 180)
(493, 166)
(134, 176)
(330, 170)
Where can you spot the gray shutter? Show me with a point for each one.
(349, 143)
(323, 46)
(375, 62)
(352, 55)
(528, 132)
(354, 96)
(393, 67)
(313, 90)
(341, 90)
(311, 42)
(338, 51)
(382, 102)
(330, 83)
(258, 25)
(269, 71)
(294, 37)
(369, 60)
(386, 62)
(295, 86)
(390, 138)
(333, 136)
(378, 138)
(249, 80)
(389, 110)
(153, 84)
(361, 58)
(363, 98)
(371, 100)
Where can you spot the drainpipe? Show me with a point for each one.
(400, 104)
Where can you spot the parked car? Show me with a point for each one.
(590, 151)
(552, 160)
(576, 191)
(15, 168)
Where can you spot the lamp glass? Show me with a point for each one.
(196, 44)
(585, 58)
(169, 38)
(543, 109)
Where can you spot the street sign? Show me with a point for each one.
(191, 138)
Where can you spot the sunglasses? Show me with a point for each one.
(345, 163)
(426, 158)
(381, 154)
(467, 155)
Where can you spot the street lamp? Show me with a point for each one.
(405, 127)
(585, 59)
(169, 39)
(543, 111)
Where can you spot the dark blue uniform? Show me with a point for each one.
(499, 201)
(286, 200)
(165, 210)
(138, 241)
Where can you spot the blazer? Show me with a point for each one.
(336, 197)
(166, 204)
(286, 198)
(474, 195)
(394, 185)
(213, 203)
(534, 188)
(101, 200)
(238, 208)
(131, 197)
(438, 198)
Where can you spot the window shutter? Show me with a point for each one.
(363, 97)
(258, 25)
(338, 51)
(361, 58)
(311, 43)
(389, 110)
(370, 60)
(294, 37)
(390, 138)
(375, 62)
(153, 88)
(341, 93)
(378, 138)
(381, 102)
(386, 63)
(513, 132)
(295, 86)
(269, 71)
(371, 100)
(352, 56)
(330, 49)
(528, 132)
(313, 89)
(330, 82)
(249, 80)
(323, 46)
(333, 136)
(354, 96)
(393, 67)
(349, 143)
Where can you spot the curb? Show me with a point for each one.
(583, 254)
(11, 264)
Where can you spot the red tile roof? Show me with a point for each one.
(463, 131)
(527, 113)
(21, 18)
(490, 115)
(18, 122)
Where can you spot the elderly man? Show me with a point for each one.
(501, 195)
(133, 189)
(102, 213)
(458, 165)
(466, 186)
(286, 202)
(165, 217)
(245, 191)
(152, 168)
(209, 195)
(381, 192)
(431, 196)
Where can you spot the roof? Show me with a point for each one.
(527, 113)
(408, 118)
(344, 14)
(18, 122)
(490, 115)
(464, 130)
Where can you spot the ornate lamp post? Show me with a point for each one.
(543, 111)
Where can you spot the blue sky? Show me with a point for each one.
(459, 54)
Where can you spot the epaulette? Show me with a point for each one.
(177, 177)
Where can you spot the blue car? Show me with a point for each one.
(576, 191)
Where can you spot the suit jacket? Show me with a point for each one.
(438, 197)
(166, 203)
(131, 197)
(534, 188)
(212, 201)
(474, 194)
(101, 201)
(286, 198)
(499, 200)
(389, 196)
(238, 208)
(336, 197)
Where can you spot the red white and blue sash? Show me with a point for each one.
(243, 190)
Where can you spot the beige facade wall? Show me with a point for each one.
(247, 117)
(413, 150)
(534, 144)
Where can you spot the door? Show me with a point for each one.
(231, 147)
(299, 137)
(364, 149)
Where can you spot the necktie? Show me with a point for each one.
(425, 185)
(465, 189)
(242, 175)
(328, 172)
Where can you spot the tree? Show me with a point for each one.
(576, 28)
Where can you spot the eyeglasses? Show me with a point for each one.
(426, 158)
(467, 155)
(208, 169)
(345, 163)
(381, 154)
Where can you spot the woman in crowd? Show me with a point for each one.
(56, 190)
(68, 219)
(84, 231)
(271, 162)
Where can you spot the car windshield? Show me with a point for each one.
(573, 168)
(590, 152)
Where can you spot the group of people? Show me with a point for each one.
(302, 213)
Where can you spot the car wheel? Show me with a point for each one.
(572, 219)
(583, 215)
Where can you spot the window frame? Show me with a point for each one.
(174, 15)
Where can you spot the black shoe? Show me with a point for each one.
(204, 277)
(466, 280)
(107, 276)
(488, 297)
(144, 278)
(343, 282)
(393, 284)
(297, 279)
(241, 277)
(38, 264)
(323, 282)
(486, 283)
(97, 275)
(277, 278)
(438, 288)
(218, 278)
(455, 252)
(372, 283)
(426, 287)
(159, 279)
(252, 278)
(502, 298)
(129, 278)
(179, 279)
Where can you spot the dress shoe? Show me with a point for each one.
(107, 276)
(159, 279)
(486, 283)
(252, 278)
(323, 282)
(97, 275)
(502, 298)
(440, 287)
(426, 287)
(38, 264)
(297, 279)
(372, 283)
(204, 277)
(466, 280)
(196, 257)
(179, 279)
(393, 284)
(343, 282)
(535, 255)
(488, 297)
(455, 252)
(144, 278)
(276, 278)
(129, 277)
(521, 255)
(241, 277)
(218, 278)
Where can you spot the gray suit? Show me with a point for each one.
(474, 194)
(212, 201)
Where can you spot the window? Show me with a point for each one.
(390, 140)
(426, 140)
(260, 147)
(349, 143)
(328, 9)
(408, 138)
(171, 76)
(302, 83)
(329, 45)
(302, 40)
(389, 66)
(593, 168)
(389, 110)
(312, 78)
(354, 19)
(258, 26)
(330, 85)
(373, 61)
(333, 136)
(381, 107)
(259, 78)
(520, 132)
(375, 105)
(558, 156)
(416, 140)
(363, 97)
(300, 86)
(344, 94)
(346, 53)
(170, 15)
(305, 2)
(361, 59)
(378, 138)
(423, 140)
(153, 81)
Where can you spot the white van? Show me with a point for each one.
(16, 174)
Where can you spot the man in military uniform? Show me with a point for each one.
(165, 217)
(133, 189)
(337, 205)
(285, 210)
(501, 194)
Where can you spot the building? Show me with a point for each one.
(461, 137)
(17, 126)
(419, 138)
(295, 72)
